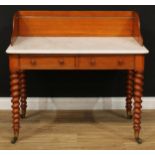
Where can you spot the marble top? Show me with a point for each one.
(76, 45)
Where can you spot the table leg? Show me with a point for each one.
(138, 84)
(23, 95)
(15, 93)
(129, 93)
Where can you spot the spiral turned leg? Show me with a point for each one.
(129, 93)
(138, 83)
(14, 83)
(23, 94)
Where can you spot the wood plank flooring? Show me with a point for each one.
(77, 130)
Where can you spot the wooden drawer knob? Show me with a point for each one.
(33, 62)
(93, 61)
(61, 61)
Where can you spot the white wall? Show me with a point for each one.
(77, 103)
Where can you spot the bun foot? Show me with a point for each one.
(22, 116)
(14, 140)
(138, 140)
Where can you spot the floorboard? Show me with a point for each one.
(70, 130)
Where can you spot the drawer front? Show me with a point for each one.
(47, 62)
(106, 62)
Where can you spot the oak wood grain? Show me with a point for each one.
(15, 28)
(77, 13)
(76, 23)
(75, 26)
(137, 29)
(106, 62)
(46, 62)
(88, 62)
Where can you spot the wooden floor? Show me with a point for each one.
(77, 130)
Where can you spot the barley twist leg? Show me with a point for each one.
(138, 83)
(23, 96)
(129, 93)
(14, 83)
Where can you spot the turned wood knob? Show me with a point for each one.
(61, 61)
(33, 62)
(120, 62)
(93, 61)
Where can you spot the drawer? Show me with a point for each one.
(46, 62)
(106, 62)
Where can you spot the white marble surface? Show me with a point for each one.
(76, 45)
